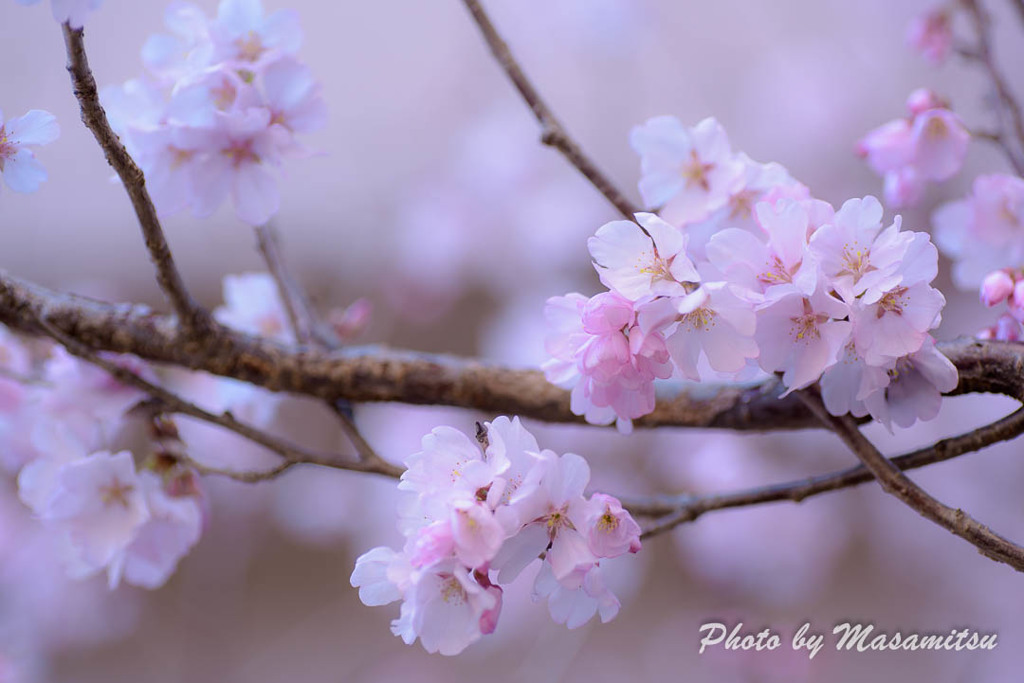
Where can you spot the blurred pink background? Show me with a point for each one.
(433, 198)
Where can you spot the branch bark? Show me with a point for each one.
(897, 484)
(193, 317)
(553, 133)
(374, 374)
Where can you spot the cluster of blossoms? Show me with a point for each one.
(744, 273)
(18, 165)
(74, 12)
(929, 145)
(475, 519)
(220, 106)
(108, 515)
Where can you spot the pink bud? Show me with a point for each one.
(351, 322)
(996, 287)
(923, 99)
(489, 619)
(1017, 301)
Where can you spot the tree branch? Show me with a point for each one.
(897, 484)
(552, 132)
(172, 403)
(676, 510)
(193, 317)
(373, 374)
(1008, 110)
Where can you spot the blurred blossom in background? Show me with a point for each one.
(429, 194)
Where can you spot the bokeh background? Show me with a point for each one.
(432, 198)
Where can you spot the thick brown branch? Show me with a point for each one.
(897, 484)
(676, 510)
(372, 374)
(193, 317)
(552, 132)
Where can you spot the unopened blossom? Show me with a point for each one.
(996, 288)
(74, 12)
(984, 231)
(19, 167)
(931, 35)
(688, 172)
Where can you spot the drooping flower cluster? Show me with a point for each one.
(107, 515)
(794, 287)
(74, 12)
(18, 165)
(475, 519)
(929, 145)
(220, 107)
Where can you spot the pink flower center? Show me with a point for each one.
(452, 591)
(892, 302)
(696, 172)
(699, 320)
(240, 153)
(856, 262)
(116, 493)
(250, 48)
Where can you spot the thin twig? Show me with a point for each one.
(897, 484)
(676, 510)
(309, 329)
(170, 402)
(552, 132)
(1008, 110)
(305, 323)
(192, 316)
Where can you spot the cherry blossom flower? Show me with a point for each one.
(641, 263)
(174, 526)
(688, 172)
(931, 35)
(18, 165)
(606, 359)
(74, 12)
(99, 506)
(245, 37)
(996, 288)
(497, 506)
(916, 387)
(985, 231)
(929, 146)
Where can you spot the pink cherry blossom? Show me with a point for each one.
(606, 359)
(612, 531)
(174, 526)
(642, 262)
(688, 172)
(931, 35)
(18, 165)
(577, 605)
(252, 304)
(985, 231)
(801, 336)
(916, 387)
(99, 505)
(244, 36)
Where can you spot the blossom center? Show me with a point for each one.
(452, 591)
(250, 48)
(893, 302)
(856, 262)
(696, 172)
(116, 493)
(776, 272)
(700, 319)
